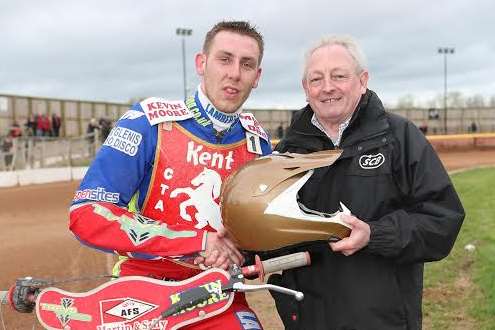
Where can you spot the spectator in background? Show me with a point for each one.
(56, 123)
(423, 127)
(39, 124)
(90, 135)
(105, 127)
(91, 130)
(280, 131)
(46, 125)
(15, 130)
(473, 128)
(7, 144)
(30, 125)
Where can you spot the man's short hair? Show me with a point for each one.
(345, 41)
(240, 27)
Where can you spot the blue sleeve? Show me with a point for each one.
(123, 162)
(266, 147)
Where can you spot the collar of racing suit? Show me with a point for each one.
(220, 120)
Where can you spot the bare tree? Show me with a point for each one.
(406, 102)
(432, 103)
(475, 101)
(455, 100)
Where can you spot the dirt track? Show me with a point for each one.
(35, 241)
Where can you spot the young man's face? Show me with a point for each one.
(230, 70)
(332, 86)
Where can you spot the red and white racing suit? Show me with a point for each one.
(152, 193)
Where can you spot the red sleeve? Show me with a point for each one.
(108, 227)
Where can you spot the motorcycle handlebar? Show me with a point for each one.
(260, 268)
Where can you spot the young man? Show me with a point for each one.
(152, 192)
(405, 209)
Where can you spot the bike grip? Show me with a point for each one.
(187, 299)
(289, 261)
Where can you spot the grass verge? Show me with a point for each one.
(460, 290)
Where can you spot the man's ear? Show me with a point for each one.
(305, 87)
(258, 75)
(363, 78)
(200, 61)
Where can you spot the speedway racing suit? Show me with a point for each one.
(151, 194)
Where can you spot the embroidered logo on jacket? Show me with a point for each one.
(369, 162)
(140, 229)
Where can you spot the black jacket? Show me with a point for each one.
(390, 177)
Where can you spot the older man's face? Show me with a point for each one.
(332, 85)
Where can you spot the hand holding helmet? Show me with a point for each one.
(359, 237)
(220, 251)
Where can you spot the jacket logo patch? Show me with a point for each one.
(250, 124)
(124, 140)
(369, 162)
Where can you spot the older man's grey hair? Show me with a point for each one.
(345, 41)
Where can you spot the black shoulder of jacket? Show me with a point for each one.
(302, 136)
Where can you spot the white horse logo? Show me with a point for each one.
(208, 184)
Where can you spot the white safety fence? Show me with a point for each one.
(36, 160)
(44, 152)
(41, 175)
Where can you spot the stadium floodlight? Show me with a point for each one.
(182, 32)
(445, 51)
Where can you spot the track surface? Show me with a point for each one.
(35, 241)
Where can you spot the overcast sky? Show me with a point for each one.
(114, 50)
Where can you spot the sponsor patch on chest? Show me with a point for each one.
(159, 110)
(373, 161)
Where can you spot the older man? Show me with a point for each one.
(405, 209)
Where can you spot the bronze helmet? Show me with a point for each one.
(260, 208)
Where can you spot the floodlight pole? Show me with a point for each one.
(445, 51)
(183, 33)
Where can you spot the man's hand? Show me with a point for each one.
(220, 251)
(359, 238)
